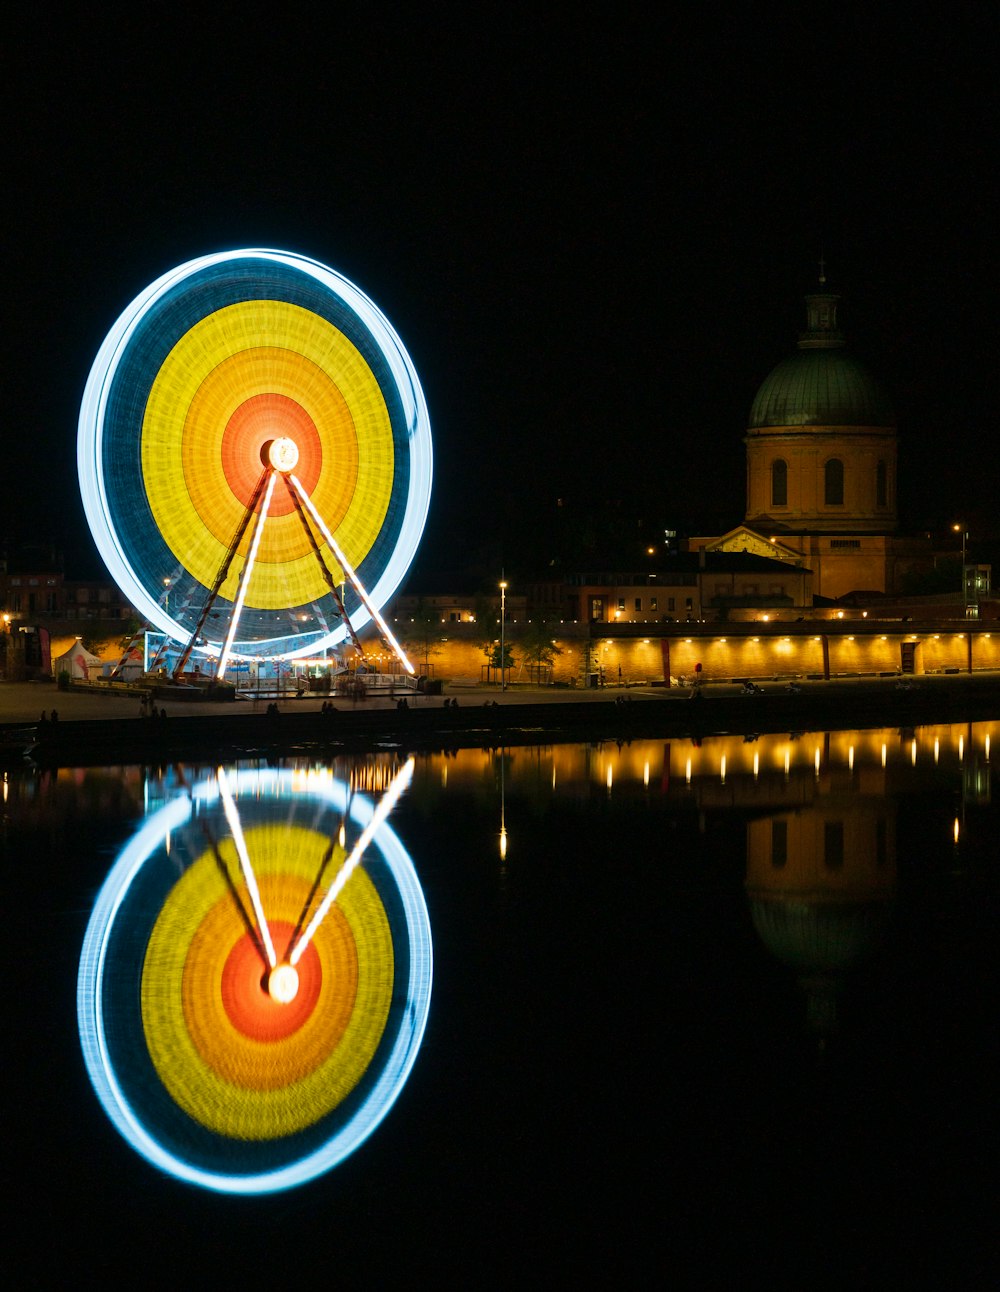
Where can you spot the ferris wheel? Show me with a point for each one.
(255, 459)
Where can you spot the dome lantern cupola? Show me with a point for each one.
(821, 323)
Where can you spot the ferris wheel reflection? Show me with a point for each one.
(256, 977)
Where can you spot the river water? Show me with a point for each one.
(649, 1011)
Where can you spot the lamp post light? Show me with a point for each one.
(503, 616)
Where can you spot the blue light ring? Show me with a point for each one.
(144, 593)
(155, 335)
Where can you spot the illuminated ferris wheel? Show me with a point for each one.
(255, 458)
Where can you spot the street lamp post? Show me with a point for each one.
(965, 578)
(503, 616)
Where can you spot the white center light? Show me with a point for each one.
(283, 454)
(283, 984)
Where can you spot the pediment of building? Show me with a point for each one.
(745, 539)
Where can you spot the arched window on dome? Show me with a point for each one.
(881, 485)
(779, 483)
(833, 483)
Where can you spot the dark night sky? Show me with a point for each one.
(593, 239)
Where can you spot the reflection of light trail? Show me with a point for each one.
(233, 817)
(385, 806)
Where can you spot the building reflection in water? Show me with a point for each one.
(821, 809)
(256, 975)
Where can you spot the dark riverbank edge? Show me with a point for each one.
(322, 736)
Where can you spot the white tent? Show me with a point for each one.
(77, 662)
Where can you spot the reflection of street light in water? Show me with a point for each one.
(503, 826)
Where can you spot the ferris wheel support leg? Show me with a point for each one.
(125, 654)
(383, 627)
(327, 576)
(220, 578)
(241, 591)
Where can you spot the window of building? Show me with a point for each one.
(670, 603)
(833, 483)
(688, 603)
(652, 603)
(881, 486)
(621, 603)
(779, 483)
(638, 604)
(597, 608)
(844, 542)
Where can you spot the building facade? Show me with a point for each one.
(821, 452)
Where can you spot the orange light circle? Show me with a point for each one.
(254, 422)
(249, 1005)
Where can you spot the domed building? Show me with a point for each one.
(821, 467)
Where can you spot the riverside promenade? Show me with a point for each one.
(94, 728)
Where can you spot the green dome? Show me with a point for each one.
(821, 387)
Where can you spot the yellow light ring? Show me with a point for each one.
(214, 368)
(240, 1059)
(327, 433)
(210, 1098)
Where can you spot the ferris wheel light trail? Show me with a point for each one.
(245, 578)
(388, 801)
(349, 571)
(233, 817)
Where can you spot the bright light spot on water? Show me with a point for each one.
(956, 830)
(850, 757)
(961, 747)
(913, 752)
(937, 748)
